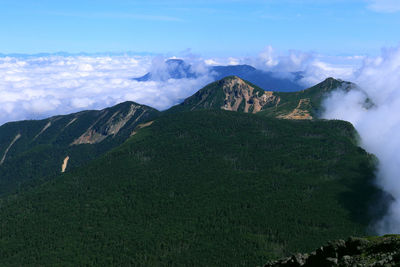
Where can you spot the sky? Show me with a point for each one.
(208, 27)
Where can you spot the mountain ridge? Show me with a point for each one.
(76, 138)
(79, 136)
(236, 94)
(213, 186)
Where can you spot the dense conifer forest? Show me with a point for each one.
(203, 188)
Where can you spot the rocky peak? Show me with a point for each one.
(242, 96)
(232, 80)
(235, 94)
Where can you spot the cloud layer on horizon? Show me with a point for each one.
(35, 87)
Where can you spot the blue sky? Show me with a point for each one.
(218, 27)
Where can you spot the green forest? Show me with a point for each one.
(202, 188)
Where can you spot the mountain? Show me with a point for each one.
(172, 69)
(195, 185)
(31, 149)
(179, 69)
(368, 252)
(200, 188)
(36, 149)
(235, 94)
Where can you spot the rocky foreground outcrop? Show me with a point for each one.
(371, 251)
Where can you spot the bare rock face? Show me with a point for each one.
(18, 136)
(301, 112)
(65, 163)
(95, 134)
(235, 94)
(241, 96)
(239, 93)
(363, 252)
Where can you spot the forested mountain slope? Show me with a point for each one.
(202, 188)
(34, 149)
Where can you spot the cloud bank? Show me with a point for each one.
(314, 67)
(38, 87)
(379, 127)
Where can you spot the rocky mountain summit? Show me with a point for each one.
(235, 94)
(372, 251)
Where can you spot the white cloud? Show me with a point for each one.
(385, 6)
(132, 16)
(268, 57)
(233, 61)
(211, 62)
(315, 68)
(37, 87)
(379, 127)
(34, 87)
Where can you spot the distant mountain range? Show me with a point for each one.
(234, 175)
(179, 69)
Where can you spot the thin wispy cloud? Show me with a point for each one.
(132, 16)
(385, 6)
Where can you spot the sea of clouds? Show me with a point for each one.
(36, 87)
